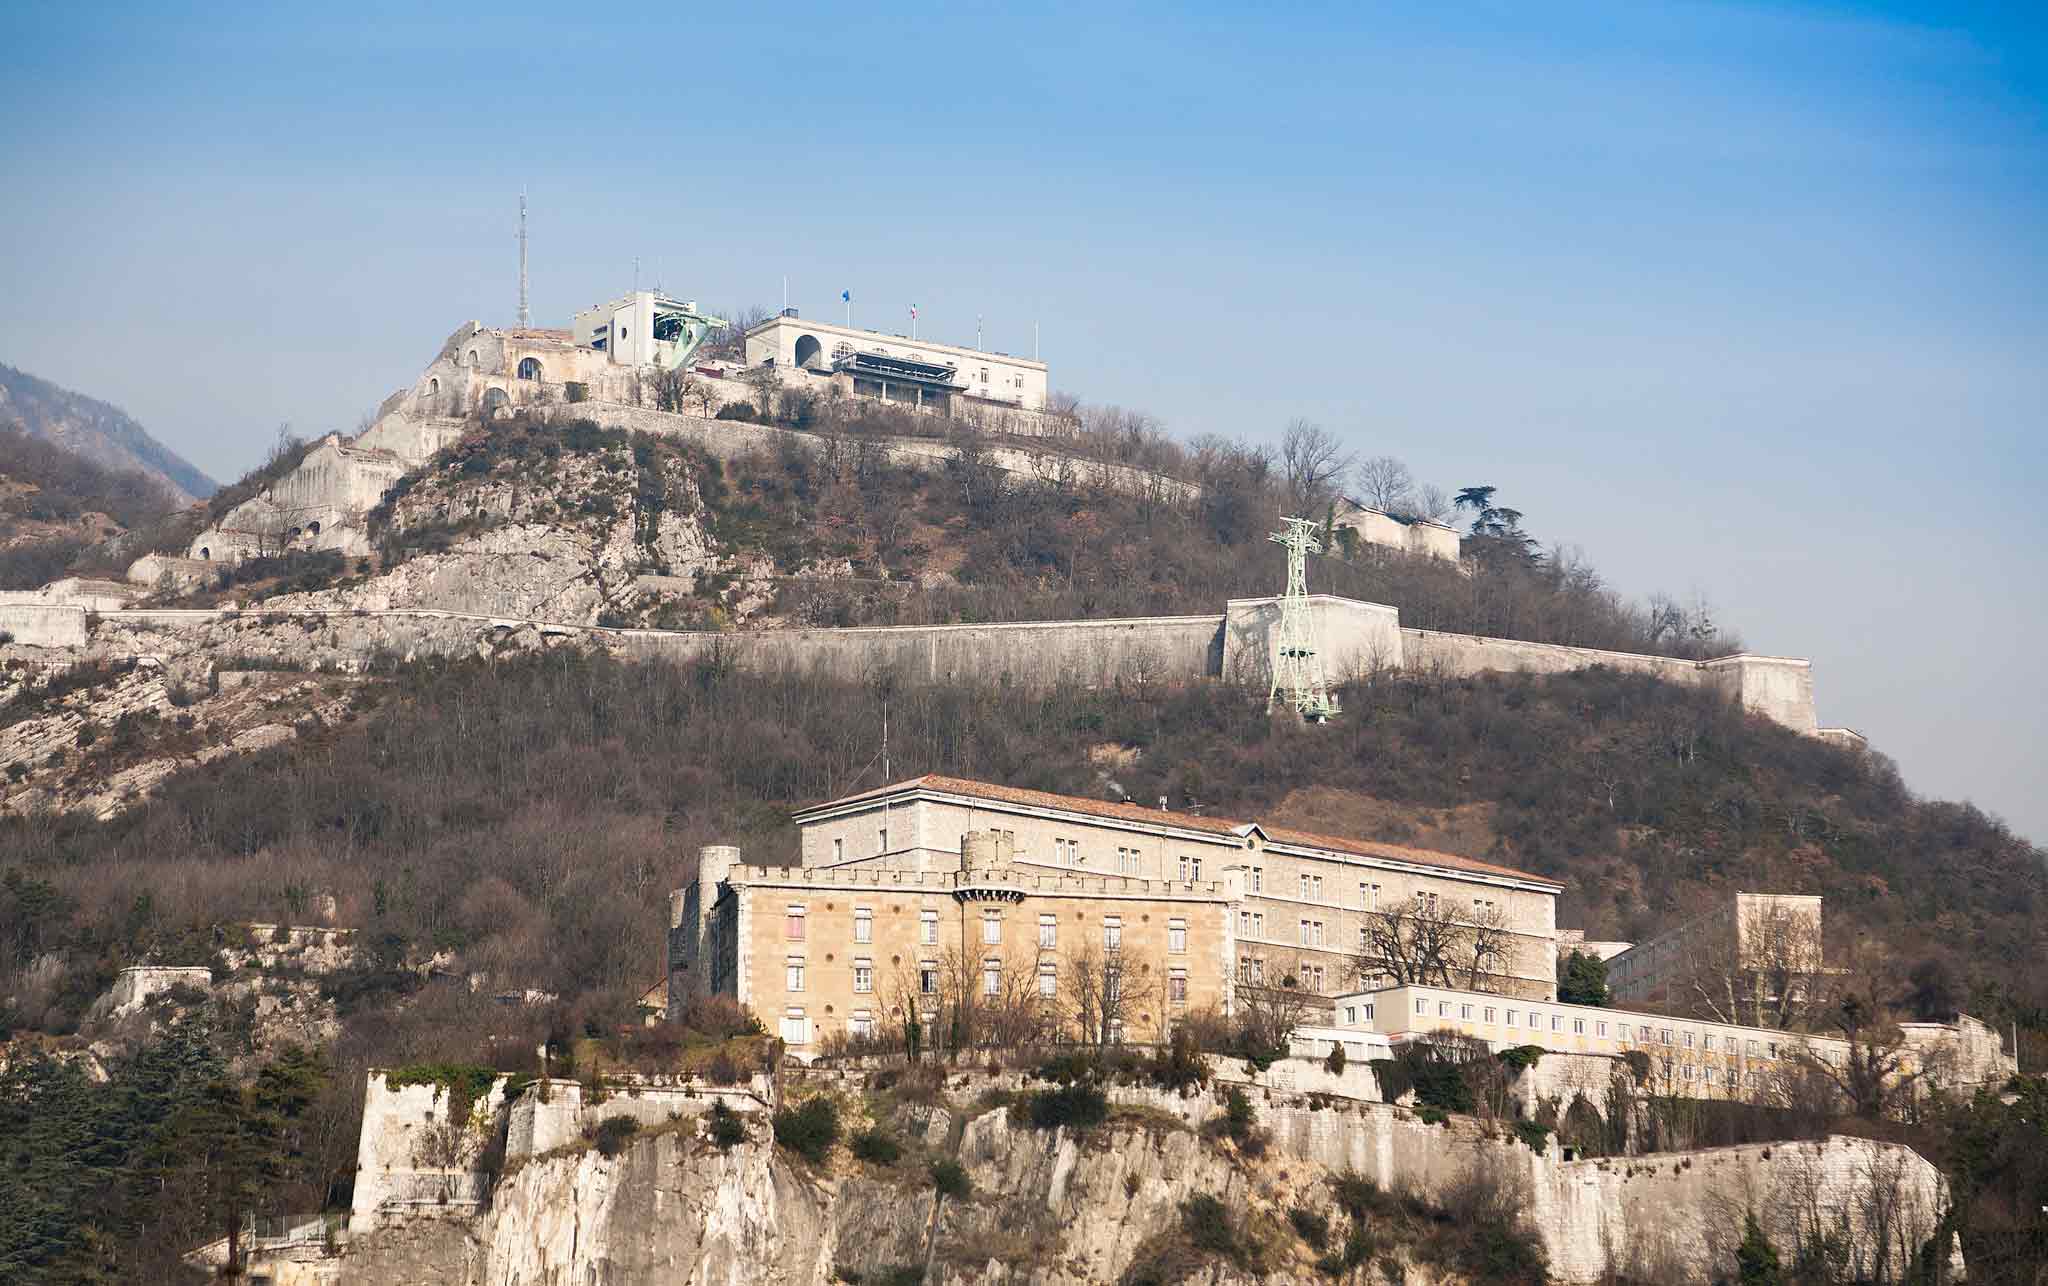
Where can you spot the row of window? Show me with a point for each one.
(1067, 852)
(1313, 978)
(1754, 1047)
(881, 844)
(796, 917)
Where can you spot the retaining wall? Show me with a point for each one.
(412, 1159)
(545, 1118)
(44, 624)
(1357, 639)
(1673, 1216)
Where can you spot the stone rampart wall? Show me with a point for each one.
(1356, 639)
(1359, 638)
(1566, 1077)
(1666, 1217)
(1466, 655)
(44, 625)
(1678, 1216)
(546, 1118)
(412, 1158)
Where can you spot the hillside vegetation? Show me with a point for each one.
(829, 532)
(56, 506)
(531, 815)
(525, 821)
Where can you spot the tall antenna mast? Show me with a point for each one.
(1297, 665)
(525, 313)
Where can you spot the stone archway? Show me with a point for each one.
(495, 400)
(807, 351)
(1583, 1128)
(529, 368)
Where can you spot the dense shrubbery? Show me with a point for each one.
(1077, 1106)
(808, 1129)
(724, 1127)
(1042, 550)
(877, 1147)
(949, 1179)
(613, 1134)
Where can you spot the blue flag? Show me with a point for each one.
(846, 295)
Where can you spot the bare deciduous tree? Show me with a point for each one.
(1415, 941)
(1313, 461)
(1765, 971)
(1267, 1015)
(1872, 1074)
(1488, 942)
(1101, 991)
(1432, 502)
(1384, 483)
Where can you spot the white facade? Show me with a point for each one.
(630, 330)
(1692, 1056)
(1416, 536)
(794, 343)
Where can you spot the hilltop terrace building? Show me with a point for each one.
(1687, 1056)
(898, 889)
(917, 373)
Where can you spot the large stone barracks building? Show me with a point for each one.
(939, 883)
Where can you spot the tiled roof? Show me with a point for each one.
(1184, 821)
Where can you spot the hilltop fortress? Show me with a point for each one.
(622, 359)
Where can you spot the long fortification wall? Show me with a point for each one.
(1357, 639)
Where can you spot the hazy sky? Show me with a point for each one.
(1747, 300)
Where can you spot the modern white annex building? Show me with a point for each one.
(895, 368)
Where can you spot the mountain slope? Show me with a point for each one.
(101, 433)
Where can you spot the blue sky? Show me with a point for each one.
(1748, 300)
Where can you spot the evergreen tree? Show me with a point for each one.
(1756, 1262)
(1584, 981)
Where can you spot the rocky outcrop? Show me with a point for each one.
(103, 742)
(587, 537)
(1057, 1208)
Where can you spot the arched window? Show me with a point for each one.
(434, 386)
(529, 368)
(469, 358)
(807, 350)
(313, 527)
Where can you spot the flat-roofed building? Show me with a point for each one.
(918, 373)
(1752, 947)
(1687, 1056)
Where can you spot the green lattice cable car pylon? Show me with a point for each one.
(1297, 664)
